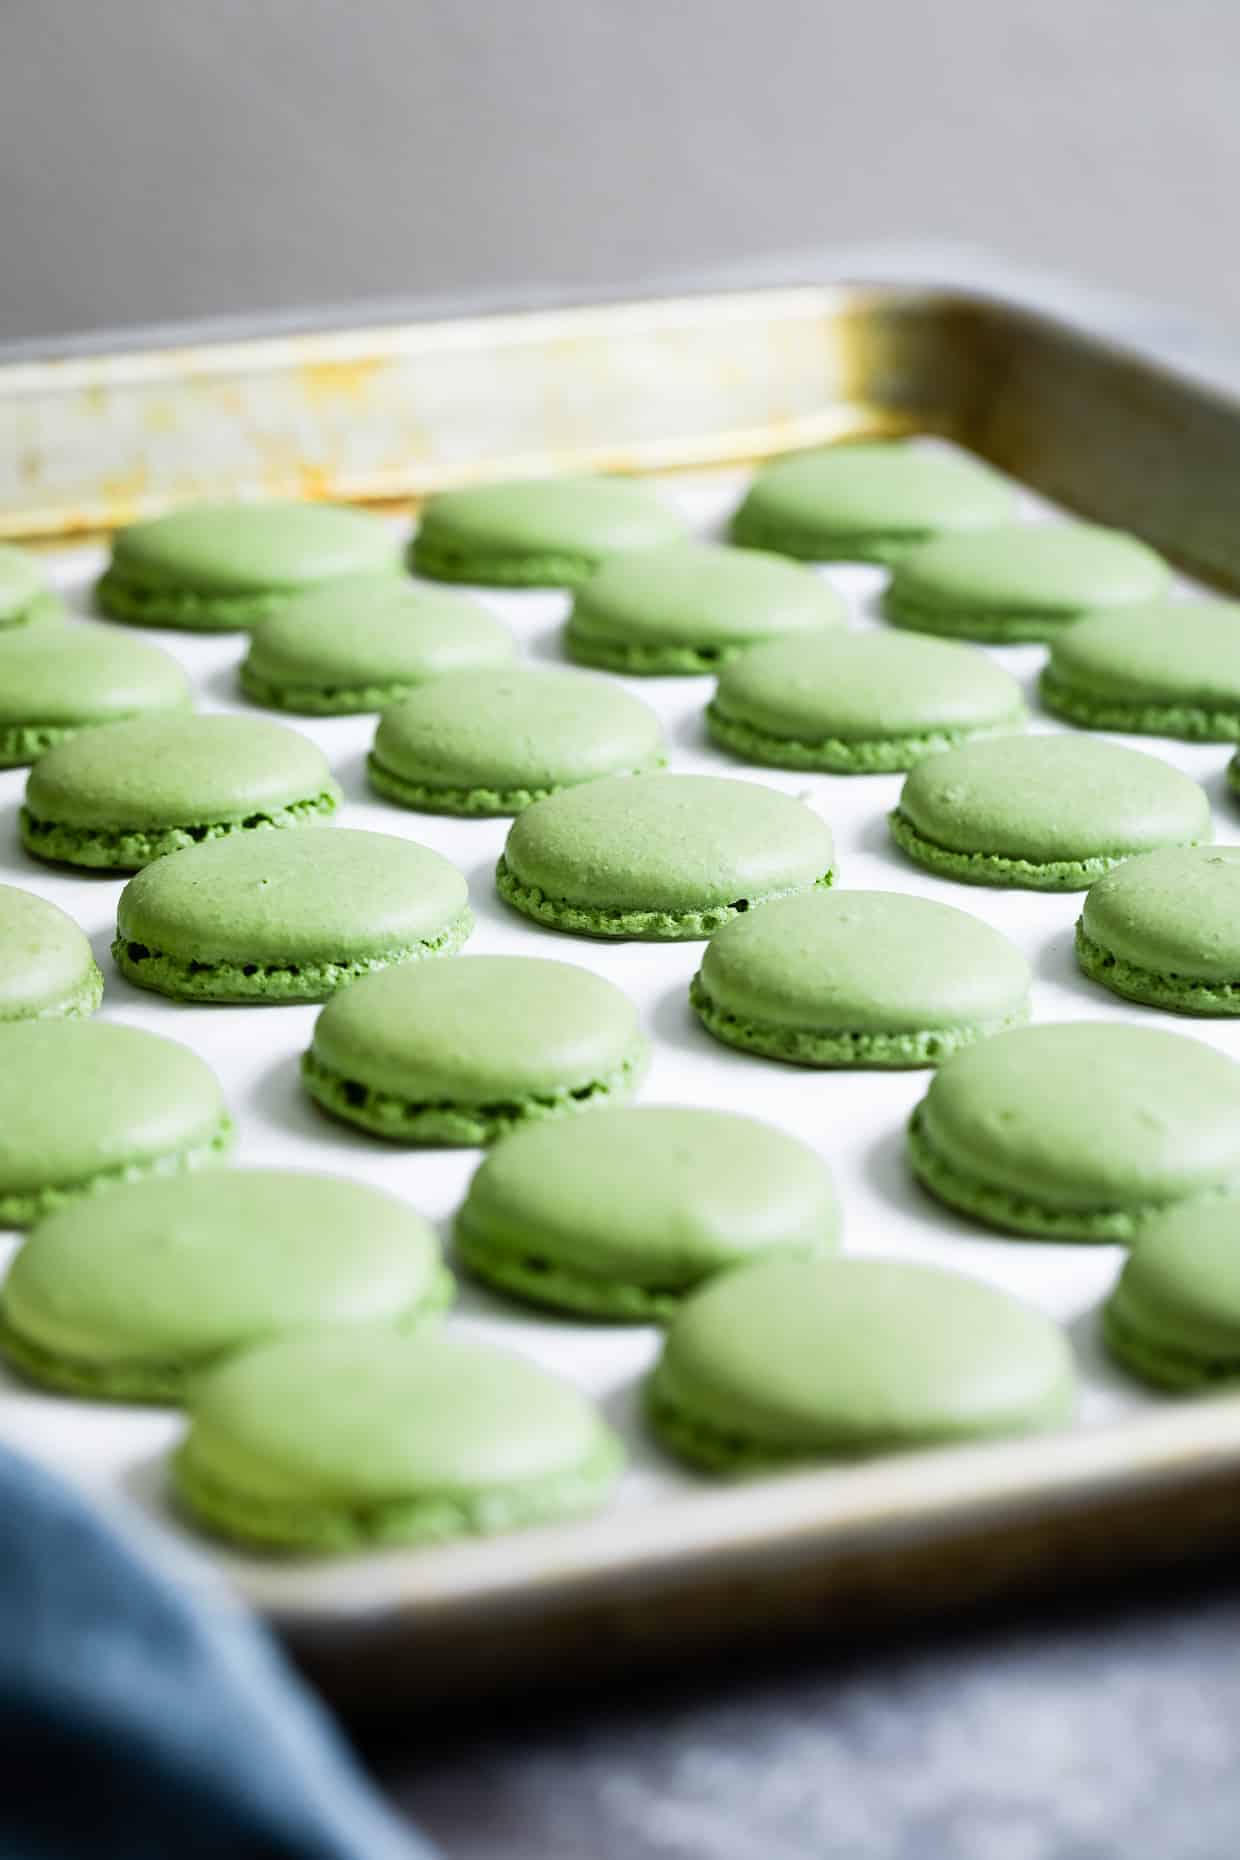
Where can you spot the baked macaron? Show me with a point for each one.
(1171, 668)
(1173, 1317)
(493, 741)
(58, 679)
(691, 607)
(860, 703)
(1164, 930)
(468, 1053)
(801, 1360)
(1045, 813)
(359, 645)
(867, 502)
(47, 969)
(538, 532)
(364, 1435)
(1082, 1130)
(859, 978)
(89, 1105)
(286, 916)
(620, 1215)
(116, 797)
(24, 595)
(212, 568)
(1021, 581)
(129, 1299)
(660, 857)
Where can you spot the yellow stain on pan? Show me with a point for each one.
(321, 382)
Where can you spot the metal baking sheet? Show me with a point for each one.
(676, 1557)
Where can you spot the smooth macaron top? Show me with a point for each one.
(1083, 1114)
(483, 1030)
(785, 1358)
(865, 962)
(668, 843)
(21, 585)
(176, 771)
(1155, 653)
(292, 897)
(1179, 1291)
(1056, 571)
(1050, 798)
(701, 595)
(252, 548)
(84, 1098)
(45, 960)
(74, 673)
(1175, 911)
(552, 528)
(176, 1271)
(877, 497)
(657, 1195)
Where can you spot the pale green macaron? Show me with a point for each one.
(24, 595)
(619, 1215)
(538, 532)
(1173, 1317)
(47, 969)
(493, 741)
(691, 607)
(860, 703)
(1082, 1130)
(1164, 930)
(364, 1435)
(58, 679)
(130, 1299)
(1171, 668)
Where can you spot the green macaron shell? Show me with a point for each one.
(125, 1301)
(494, 741)
(860, 703)
(1173, 1317)
(24, 596)
(691, 607)
(788, 1361)
(538, 532)
(660, 857)
(1021, 581)
(47, 970)
(1165, 929)
(1046, 813)
(487, 1043)
(57, 679)
(362, 644)
(360, 1436)
(127, 793)
(1169, 668)
(87, 1105)
(1079, 1131)
(216, 567)
(620, 1215)
(866, 502)
(289, 918)
(859, 978)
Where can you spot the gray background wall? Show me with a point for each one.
(163, 159)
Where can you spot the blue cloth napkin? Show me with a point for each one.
(139, 1724)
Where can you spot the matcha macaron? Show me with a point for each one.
(690, 607)
(129, 1299)
(352, 1438)
(660, 857)
(1083, 1130)
(791, 1361)
(860, 703)
(89, 1105)
(1021, 581)
(494, 741)
(1046, 813)
(867, 502)
(58, 679)
(619, 1215)
(466, 1054)
(121, 795)
(286, 916)
(1171, 668)
(1173, 1317)
(359, 645)
(216, 567)
(1164, 929)
(24, 595)
(538, 532)
(859, 978)
(47, 969)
